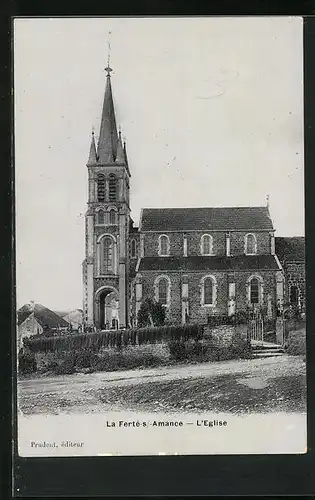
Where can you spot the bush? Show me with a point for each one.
(67, 366)
(114, 361)
(49, 366)
(199, 351)
(296, 343)
(26, 362)
(177, 349)
(240, 349)
(240, 318)
(150, 308)
(85, 358)
(192, 350)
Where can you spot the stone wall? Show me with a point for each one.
(197, 312)
(237, 243)
(294, 276)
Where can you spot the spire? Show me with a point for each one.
(107, 143)
(92, 156)
(125, 152)
(120, 157)
(126, 158)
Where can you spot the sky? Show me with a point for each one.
(212, 113)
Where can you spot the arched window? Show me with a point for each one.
(208, 291)
(112, 186)
(250, 244)
(112, 217)
(164, 245)
(133, 249)
(162, 290)
(254, 291)
(101, 217)
(206, 244)
(107, 255)
(100, 187)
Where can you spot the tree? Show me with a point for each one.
(151, 313)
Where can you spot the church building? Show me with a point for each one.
(197, 262)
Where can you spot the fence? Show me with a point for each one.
(116, 339)
(255, 327)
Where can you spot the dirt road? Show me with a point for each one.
(261, 385)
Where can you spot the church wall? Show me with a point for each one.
(269, 287)
(294, 276)
(174, 312)
(237, 243)
(197, 312)
(134, 236)
(194, 241)
(151, 244)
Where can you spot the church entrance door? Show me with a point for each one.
(108, 307)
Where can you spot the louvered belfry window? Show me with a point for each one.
(101, 187)
(112, 184)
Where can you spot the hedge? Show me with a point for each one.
(116, 339)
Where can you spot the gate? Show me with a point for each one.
(255, 327)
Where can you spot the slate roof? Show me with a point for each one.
(210, 263)
(206, 219)
(108, 139)
(43, 315)
(290, 249)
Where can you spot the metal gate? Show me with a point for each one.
(255, 328)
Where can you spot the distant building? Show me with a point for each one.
(291, 254)
(34, 319)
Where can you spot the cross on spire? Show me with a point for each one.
(108, 69)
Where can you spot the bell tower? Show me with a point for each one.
(106, 264)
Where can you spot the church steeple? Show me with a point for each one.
(107, 223)
(92, 156)
(108, 139)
